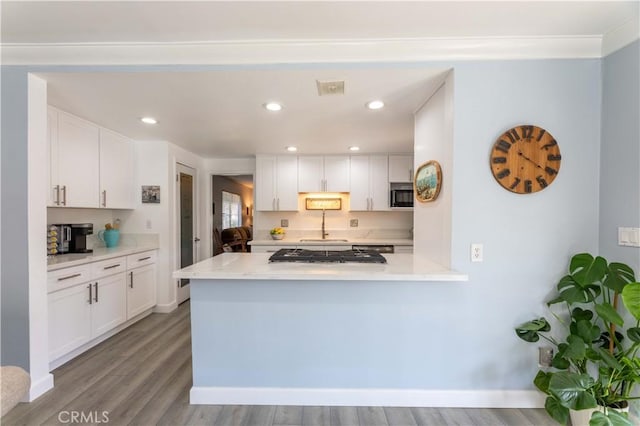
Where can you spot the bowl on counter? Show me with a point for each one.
(277, 236)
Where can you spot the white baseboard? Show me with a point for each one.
(39, 387)
(166, 308)
(367, 397)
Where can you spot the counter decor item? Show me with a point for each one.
(525, 159)
(277, 233)
(427, 181)
(596, 365)
(110, 235)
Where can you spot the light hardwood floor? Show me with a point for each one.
(142, 376)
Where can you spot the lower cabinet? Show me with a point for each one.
(141, 291)
(69, 319)
(109, 308)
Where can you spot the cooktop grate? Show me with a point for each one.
(327, 256)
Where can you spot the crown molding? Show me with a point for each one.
(303, 51)
(621, 36)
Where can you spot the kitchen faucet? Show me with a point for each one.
(324, 234)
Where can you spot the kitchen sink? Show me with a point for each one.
(320, 240)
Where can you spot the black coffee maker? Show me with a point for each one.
(79, 232)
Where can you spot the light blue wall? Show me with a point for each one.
(15, 273)
(620, 153)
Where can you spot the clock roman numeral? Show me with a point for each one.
(527, 186)
(541, 134)
(503, 174)
(550, 170)
(513, 135)
(543, 183)
(515, 183)
(527, 132)
(499, 160)
(503, 146)
(550, 145)
(552, 157)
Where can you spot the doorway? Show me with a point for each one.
(187, 221)
(232, 206)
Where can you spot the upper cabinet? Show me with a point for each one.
(369, 183)
(400, 168)
(276, 183)
(89, 166)
(323, 174)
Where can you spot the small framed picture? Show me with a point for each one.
(151, 194)
(428, 181)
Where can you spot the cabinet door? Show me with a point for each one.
(78, 162)
(141, 291)
(359, 182)
(69, 320)
(400, 168)
(109, 307)
(53, 197)
(265, 191)
(287, 183)
(116, 171)
(378, 183)
(310, 173)
(336, 173)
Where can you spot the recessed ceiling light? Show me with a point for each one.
(375, 104)
(149, 120)
(292, 149)
(354, 148)
(272, 106)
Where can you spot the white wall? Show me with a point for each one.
(434, 141)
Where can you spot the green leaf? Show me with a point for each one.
(566, 281)
(587, 331)
(576, 348)
(542, 381)
(634, 334)
(586, 269)
(573, 295)
(612, 418)
(631, 299)
(556, 410)
(609, 359)
(609, 314)
(618, 275)
(581, 314)
(528, 331)
(573, 390)
(557, 299)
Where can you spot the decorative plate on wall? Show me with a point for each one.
(427, 181)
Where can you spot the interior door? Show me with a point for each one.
(188, 240)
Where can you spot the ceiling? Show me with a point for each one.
(218, 112)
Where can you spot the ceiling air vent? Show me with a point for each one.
(330, 87)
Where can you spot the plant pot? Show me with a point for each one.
(582, 417)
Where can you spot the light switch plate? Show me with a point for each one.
(629, 237)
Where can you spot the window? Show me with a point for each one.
(231, 210)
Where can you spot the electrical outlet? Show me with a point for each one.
(545, 356)
(353, 223)
(284, 223)
(476, 252)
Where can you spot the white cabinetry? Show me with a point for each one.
(89, 166)
(69, 319)
(323, 174)
(74, 168)
(400, 168)
(141, 290)
(276, 183)
(116, 171)
(109, 304)
(369, 183)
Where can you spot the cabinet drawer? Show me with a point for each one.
(108, 267)
(141, 259)
(67, 277)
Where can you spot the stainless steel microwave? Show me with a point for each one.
(401, 196)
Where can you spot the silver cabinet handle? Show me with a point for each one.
(371, 203)
(64, 195)
(57, 200)
(104, 198)
(410, 175)
(111, 267)
(131, 279)
(278, 203)
(273, 204)
(90, 296)
(96, 298)
(69, 277)
(145, 258)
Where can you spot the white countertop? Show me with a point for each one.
(256, 266)
(102, 253)
(329, 242)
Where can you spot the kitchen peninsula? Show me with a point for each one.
(311, 333)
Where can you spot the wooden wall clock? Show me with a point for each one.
(525, 159)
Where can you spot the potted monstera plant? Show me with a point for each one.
(596, 364)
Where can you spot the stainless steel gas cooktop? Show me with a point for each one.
(327, 256)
